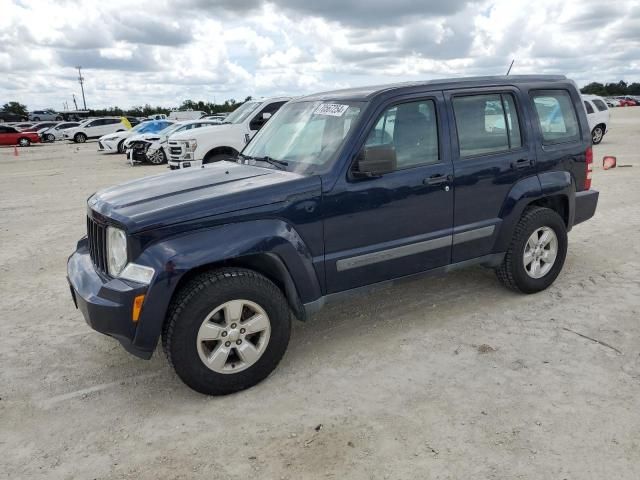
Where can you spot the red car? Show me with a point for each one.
(12, 136)
(627, 102)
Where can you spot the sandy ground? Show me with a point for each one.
(446, 378)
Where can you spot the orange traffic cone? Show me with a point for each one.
(15, 151)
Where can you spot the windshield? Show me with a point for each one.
(152, 127)
(306, 135)
(242, 112)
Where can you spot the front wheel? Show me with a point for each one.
(121, 146)
(226, 330)
(24, 142)
(157, 158)
(537, 251)
(80, 138)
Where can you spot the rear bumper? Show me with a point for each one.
(586, 203)
(106, 304)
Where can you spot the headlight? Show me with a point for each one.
(192, 145)
(116, 250)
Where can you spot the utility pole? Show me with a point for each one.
(81, 80)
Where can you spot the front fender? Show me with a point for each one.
(176, 256)
(527, 191)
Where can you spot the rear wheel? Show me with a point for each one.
(226, 330)
(597, 134)
(79, 138)
(537, 251)
(24, 142)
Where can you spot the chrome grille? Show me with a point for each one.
(175, 150)
(97, 235)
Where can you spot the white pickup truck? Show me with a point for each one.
(192, 148)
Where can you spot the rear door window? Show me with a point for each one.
(600, 105)
(556, 116)
(486, 124)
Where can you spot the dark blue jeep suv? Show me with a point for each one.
(339, 191)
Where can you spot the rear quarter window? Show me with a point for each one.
(556, 116)
(600, 105)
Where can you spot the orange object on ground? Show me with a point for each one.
(608, 162)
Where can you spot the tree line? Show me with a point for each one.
(620, 88)
(143, 110)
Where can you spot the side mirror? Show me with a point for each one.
(375, 161)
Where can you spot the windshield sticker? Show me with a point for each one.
(333, 109)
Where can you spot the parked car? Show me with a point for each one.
(211, 144)
(627, 102)
(6, 117)
(13, 136)
(94, 128)
(339, 192)
(56, 132)
(153, 147)
(181, 115)
(39, 115)
(597, 115)
(39, 126)
(21, 126)
(114, 142)
(612, 102)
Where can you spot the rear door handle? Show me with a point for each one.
(522, 163)
(437, 179)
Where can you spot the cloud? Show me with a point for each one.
(163, 52)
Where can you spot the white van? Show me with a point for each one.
(598, 116)
(181, 115)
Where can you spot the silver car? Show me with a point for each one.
(38, 115)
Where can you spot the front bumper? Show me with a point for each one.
(177, 165)
(105, 303)
(586, 203)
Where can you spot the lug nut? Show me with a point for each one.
(238, 342)
(227, 344)
(233, 325)
(224, 334)
(242, 330)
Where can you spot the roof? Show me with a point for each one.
(366, 93)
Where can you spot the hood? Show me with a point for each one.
(220, 130)
(116, 135)
(195, 193)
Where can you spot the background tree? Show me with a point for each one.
(15, 107)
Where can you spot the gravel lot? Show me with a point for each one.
(447, 378)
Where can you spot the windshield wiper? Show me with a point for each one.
(279, 164)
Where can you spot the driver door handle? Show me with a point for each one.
(437, 179)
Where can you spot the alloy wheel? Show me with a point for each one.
(540, 252)
(234, 336)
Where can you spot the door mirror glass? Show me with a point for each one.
(376, 160)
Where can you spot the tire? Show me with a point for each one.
(24, 142)
(50, 137)
(121, 146)
(513, 273)
(597, 134)
(79, 138)
(189, 312)
(158, 157)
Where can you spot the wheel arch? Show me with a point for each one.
(554, 190)
(221, 150)
(270, 247)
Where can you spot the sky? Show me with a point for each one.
(163, 52)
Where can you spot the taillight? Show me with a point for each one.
(588, 155)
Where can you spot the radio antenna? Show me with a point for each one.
(508, 71)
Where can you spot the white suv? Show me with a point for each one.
(193, 148)
(95, 128)
(598, 116)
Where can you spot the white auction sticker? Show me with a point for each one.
(333, 109)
